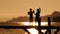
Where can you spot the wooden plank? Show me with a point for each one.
(17, 27)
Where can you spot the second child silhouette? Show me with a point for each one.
(37, 15)
(30, 13)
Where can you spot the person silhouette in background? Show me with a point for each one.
(37, 15)
(30, 13)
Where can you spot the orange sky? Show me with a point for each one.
(15, 8)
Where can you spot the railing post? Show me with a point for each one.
(49, 25)
(39, 26)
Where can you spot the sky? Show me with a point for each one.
(15, 8)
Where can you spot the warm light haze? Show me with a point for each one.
(15, 8)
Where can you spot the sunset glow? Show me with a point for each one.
(33, 30)
(43, 30)
(34, 23)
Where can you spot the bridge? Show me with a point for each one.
(39, 27)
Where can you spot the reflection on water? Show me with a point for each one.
(43, 30)
(34, 23)
(55, 23)
(33, 31)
